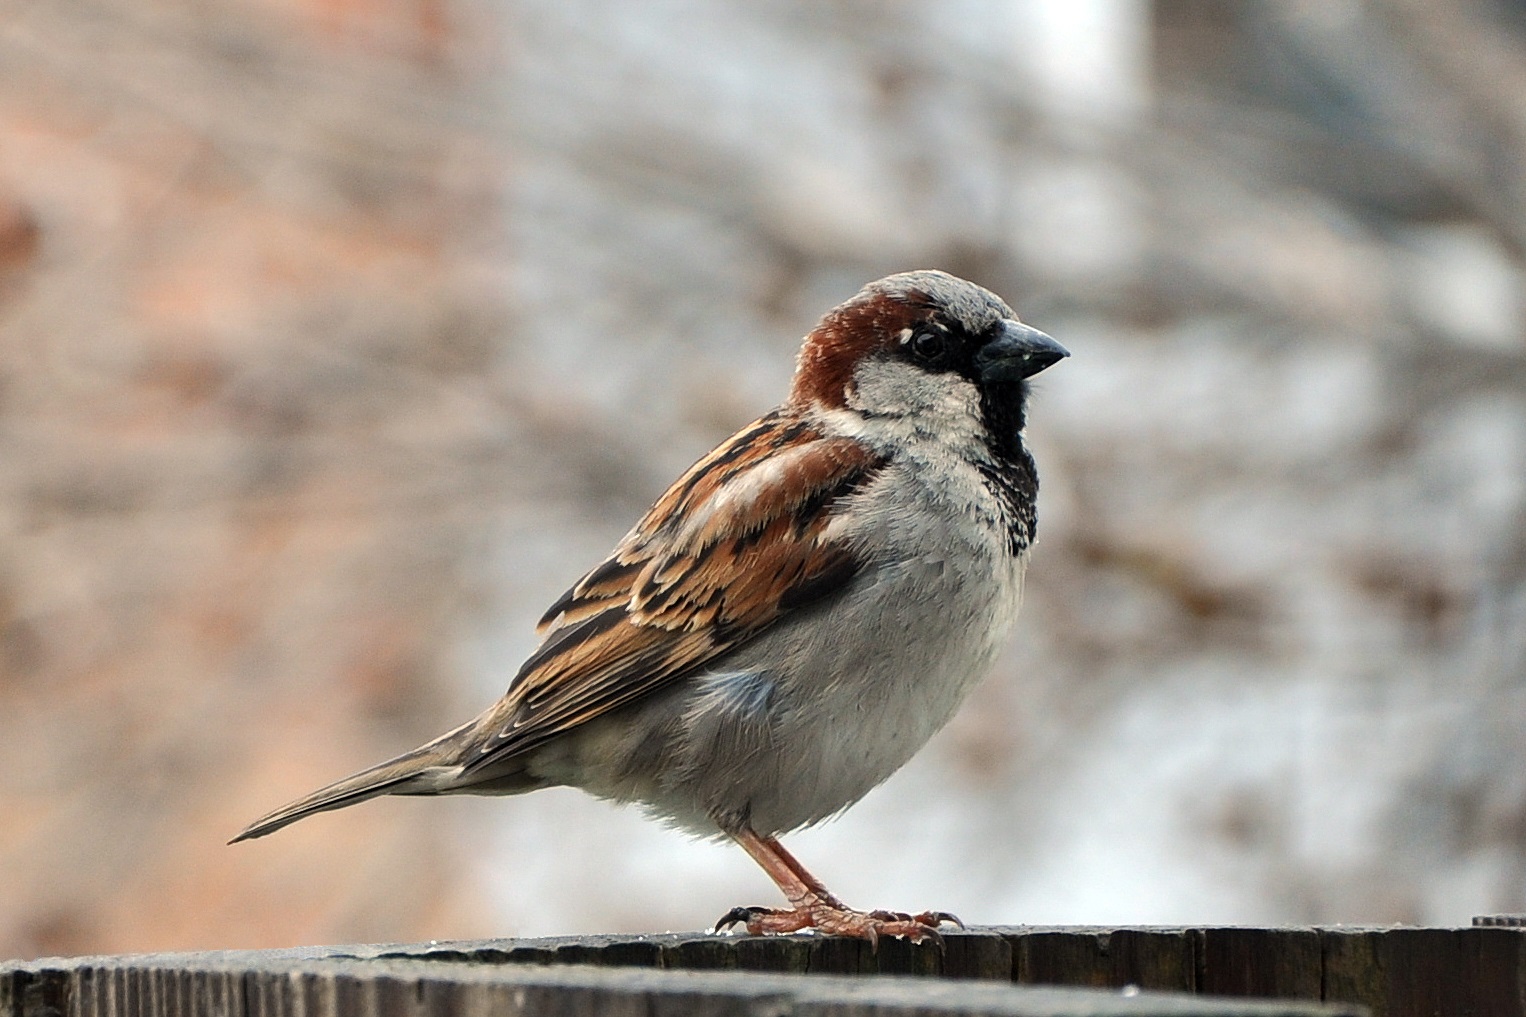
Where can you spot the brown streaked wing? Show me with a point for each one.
(734, 544)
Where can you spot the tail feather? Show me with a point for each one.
(420, 771)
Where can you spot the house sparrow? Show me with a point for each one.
(797, 615)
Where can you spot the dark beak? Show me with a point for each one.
(1016, 353)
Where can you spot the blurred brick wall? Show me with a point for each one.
(245, 251)
(286, 481)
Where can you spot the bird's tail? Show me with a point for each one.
(425, 770)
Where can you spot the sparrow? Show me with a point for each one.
(796, 616)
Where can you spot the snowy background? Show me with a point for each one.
(336, 338)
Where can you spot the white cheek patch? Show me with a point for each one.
(885, 387)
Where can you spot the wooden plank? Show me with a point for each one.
(1104, 958)
(635, 953)
(977, 954)
(1164, 959)
(836, 955)
(772, 953)
(1062, 957)
(1494, 965)
(1402, 971)
(1377, 967)
(700, 953)
(1286, 963)
(1394, 971)
(1423, 970)
(903, 957)
(256, 985)
(972, 954)
(1356, 968)
(41, 991)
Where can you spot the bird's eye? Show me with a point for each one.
(928, 347)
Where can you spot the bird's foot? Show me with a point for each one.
(831, 917)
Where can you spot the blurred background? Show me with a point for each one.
(338, 336)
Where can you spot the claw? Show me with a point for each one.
(937, 918)
(926, 933)
(739, 915)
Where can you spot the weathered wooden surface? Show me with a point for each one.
(1393, 971)
(284, 985)
(299, 984)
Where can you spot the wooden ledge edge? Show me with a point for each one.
(291, 983)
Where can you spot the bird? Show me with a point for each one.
(796, 615)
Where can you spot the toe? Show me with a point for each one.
(895, 916)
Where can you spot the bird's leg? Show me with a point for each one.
(812, 906)
(932, 918)
(793, 864)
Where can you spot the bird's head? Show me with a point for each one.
(927, 345)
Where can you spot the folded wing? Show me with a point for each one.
(738, 542)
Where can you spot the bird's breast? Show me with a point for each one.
(856, 685)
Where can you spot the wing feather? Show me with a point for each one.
(736, 543)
